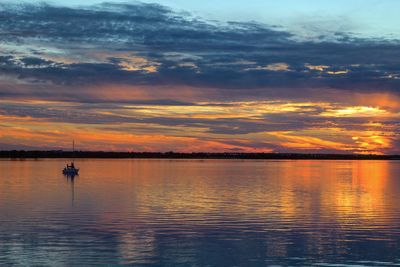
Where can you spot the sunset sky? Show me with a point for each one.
(237, 76)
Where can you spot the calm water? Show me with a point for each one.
(200, 213)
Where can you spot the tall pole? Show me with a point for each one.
(73, 150)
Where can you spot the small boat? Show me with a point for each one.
(71, 170)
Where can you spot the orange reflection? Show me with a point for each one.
(310, 197)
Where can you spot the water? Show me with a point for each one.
(200, 213)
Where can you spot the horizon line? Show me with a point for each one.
(188, 155)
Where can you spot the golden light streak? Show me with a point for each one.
(317, 67)
(139, 64)
(300, 142)
(356, 111)
(339, 72)
(212, 110)
(280, 66)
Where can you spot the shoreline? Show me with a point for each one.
(14, 154)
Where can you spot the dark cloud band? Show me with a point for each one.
(182, 50)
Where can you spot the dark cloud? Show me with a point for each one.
(185, 51)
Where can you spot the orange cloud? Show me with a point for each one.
(201, 126)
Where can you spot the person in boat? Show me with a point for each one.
(72, 166)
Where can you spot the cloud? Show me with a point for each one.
(298, 126)
(316, 67)
(116, 68)
(339, 72)
(153, 45)
(273, 67)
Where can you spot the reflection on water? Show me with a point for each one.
(200, 213)
(71, 180)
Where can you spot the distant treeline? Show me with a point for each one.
(177, 155)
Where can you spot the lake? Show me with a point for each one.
(200, 213)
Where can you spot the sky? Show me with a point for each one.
(228, 76)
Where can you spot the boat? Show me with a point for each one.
(71, 170)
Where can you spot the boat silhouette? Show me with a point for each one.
(71, 170)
